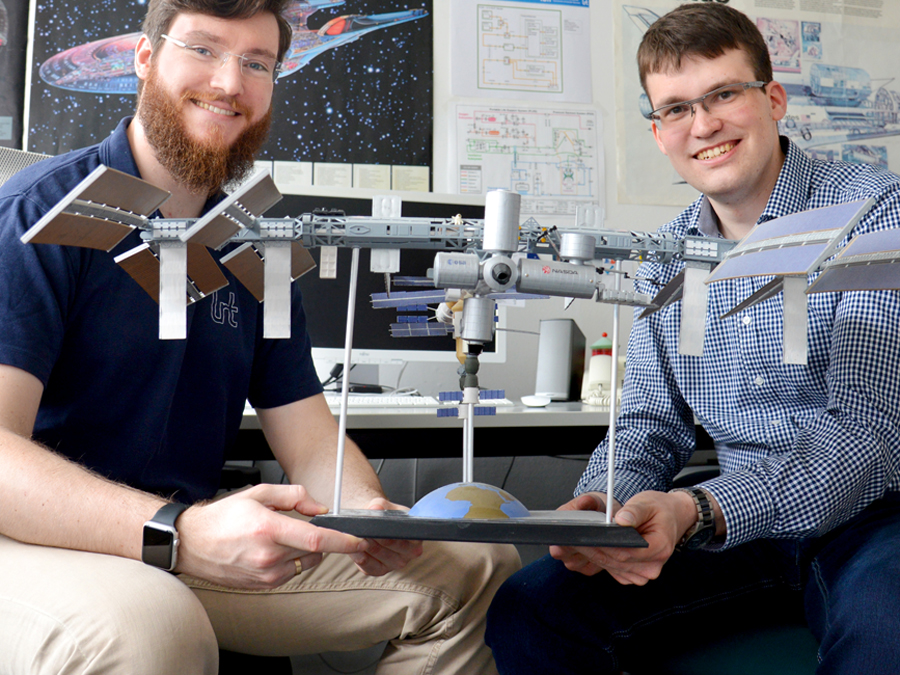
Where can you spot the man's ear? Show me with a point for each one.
(662, 147)
(777, 99)
(143, 53)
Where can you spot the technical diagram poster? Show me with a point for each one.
(365, 96)
(13, 45)
(838, 61)
(524, 50)
(553, 158)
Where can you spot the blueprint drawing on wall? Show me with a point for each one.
(519, 49)
(529, 51)
(553, 158)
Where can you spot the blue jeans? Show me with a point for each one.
(845, 585)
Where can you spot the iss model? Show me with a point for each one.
(477, 260)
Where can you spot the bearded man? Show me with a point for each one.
(104, 427)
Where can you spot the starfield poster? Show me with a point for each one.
(357, 86)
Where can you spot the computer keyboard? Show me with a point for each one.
(382, 401)
(388, 401)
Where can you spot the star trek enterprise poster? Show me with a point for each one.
(356, 84)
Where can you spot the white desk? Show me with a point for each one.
(553, 415)
(560, 428)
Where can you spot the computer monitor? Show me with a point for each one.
(325, 300)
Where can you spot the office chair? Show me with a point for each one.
(232, 663)
(12, 161)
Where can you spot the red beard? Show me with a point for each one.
(204, 167)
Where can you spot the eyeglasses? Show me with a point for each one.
(254, 66)
(717, 101)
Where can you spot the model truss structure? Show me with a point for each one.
(173, 264)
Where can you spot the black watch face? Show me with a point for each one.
(700, 538)
(157, 549)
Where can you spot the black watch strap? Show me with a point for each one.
(160, 537)
(168, 514)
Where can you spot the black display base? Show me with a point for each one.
(562, 528)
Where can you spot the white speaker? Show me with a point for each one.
(560, 362)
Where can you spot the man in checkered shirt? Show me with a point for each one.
(804, 521)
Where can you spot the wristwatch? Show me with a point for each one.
(704, 529)
(160, 546)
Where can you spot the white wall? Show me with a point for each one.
(517, 374)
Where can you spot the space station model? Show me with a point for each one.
(476, 260)
(480, 257)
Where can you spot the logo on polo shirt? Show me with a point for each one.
(224, 311)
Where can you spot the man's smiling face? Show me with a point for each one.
(206, 122)
(731, 157)
(218, 102)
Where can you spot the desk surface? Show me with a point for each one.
(574, 414)
(389, 433)
(397, 432)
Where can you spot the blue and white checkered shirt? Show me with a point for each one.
(802, 448)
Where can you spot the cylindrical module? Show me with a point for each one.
(576, 246)
(556, 278)
(456, 270)
(501, 221)
(478, 320)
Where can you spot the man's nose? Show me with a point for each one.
(229, 77)
(703, 122)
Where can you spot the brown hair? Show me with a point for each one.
(701, 30)
(161, 13)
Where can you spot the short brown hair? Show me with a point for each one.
(161, 13)
(701, 30)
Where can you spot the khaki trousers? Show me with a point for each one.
(65, 612)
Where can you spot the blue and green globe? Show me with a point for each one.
(469, 500)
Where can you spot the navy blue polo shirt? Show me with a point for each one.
(156, 414)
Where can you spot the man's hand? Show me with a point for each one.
(380, 556)
(242, 541)
(659, 517)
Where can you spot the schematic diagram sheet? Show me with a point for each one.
(553, 158)
(519, 49)
(522, 50)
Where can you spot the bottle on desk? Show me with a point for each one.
(597, 384)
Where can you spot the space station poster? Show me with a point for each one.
(838, 62)
(356, 86)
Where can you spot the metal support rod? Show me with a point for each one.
(469, 460)
(345, 382)
(465, 442)
(613, 396)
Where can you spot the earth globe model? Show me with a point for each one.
(469, 500)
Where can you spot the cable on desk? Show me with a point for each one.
(400, 375)
(508, 471)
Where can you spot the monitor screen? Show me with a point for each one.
(325, 300)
